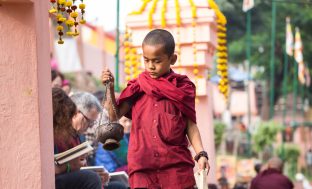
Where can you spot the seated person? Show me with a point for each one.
(89, 109)
(69, 175)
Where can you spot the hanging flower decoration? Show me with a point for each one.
(178, 42)
(195, 64)
(222, 61)
(142, 8)
(163, 14)
(127, 49)
(150, 14)
(132, 59)
(66, 14)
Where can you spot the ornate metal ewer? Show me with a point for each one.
(109, 133)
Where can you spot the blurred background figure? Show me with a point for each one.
(258, 168)
(303, 181)
(309, 161)
(66, 86)
(57, 79)
(212, 186)
(272, 177)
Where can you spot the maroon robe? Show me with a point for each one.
(271, 179)
(158, 155)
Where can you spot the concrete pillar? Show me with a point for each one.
(26, 137)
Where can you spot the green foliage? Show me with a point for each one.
(219, 128)
(261, 17)
(290, 153)
(265, 135)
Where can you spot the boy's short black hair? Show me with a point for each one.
(161, 37)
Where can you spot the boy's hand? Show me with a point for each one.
(107, 76)
(203, 164)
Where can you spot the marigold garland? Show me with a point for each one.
(150, 14)
(132, 59)
(195, 63)
(178, 42)
(222, 61)
(66, 13)
(163, 14)
(178, 16)
(142, 8)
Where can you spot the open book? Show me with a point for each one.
(94, 168)
(72, 153)
(120, 176)
(200, 178)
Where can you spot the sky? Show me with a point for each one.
(103, 12)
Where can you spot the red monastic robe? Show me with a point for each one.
(158, 155)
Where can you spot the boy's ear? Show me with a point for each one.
(174, 58)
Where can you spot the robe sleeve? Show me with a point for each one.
(129, 95)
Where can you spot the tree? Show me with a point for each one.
(301, 16)
(265, 136)
(219, 128)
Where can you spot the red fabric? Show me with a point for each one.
(158, 155)
(61, 146)
(271, 178)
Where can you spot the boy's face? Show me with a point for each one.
(156, 61)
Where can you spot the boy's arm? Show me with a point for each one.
(123, 108)
(195, 139)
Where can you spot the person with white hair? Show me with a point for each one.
(88, 110)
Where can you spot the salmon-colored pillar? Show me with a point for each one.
(26, 137)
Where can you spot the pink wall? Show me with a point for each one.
(26, 139)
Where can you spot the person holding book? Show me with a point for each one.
(89, 109)
(69, 175)
(161, 105)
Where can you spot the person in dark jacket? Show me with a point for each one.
(272, 177)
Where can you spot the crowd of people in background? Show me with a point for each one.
(75, 118)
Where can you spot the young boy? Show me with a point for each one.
(161, 105)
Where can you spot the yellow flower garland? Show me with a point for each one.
(177, 9)
(132, 62)
(150, 14)
(59, 8)
(222, 62)
(142, 8)
(163, 14)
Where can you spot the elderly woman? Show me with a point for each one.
(65, 137)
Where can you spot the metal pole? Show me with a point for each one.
(117, 50)
(248, 55)
(272, 62)
(295, 84)
(285, 73)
